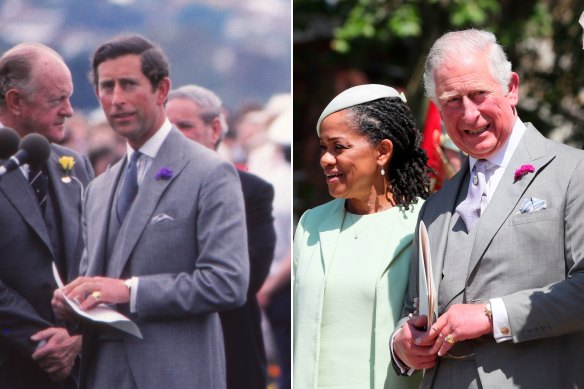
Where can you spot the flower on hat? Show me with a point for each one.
(164, 173)
(66, 163)
(523, 170)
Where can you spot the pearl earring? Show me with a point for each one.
(382, 171)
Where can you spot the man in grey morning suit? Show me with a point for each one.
(511, 287)
(177, 257)
(36, 231)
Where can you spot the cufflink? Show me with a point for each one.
(489, 312)
(505, 330)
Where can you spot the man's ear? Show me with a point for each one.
(163, 90)
(513, 89)
(385, 149)
(14, 102)
(216, 130)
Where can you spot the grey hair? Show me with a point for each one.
(16, 68)
(209, 102)
(466, 43)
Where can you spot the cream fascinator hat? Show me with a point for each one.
(357, 95)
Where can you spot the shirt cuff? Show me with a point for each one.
(501, 326)
(403, 368)
(133, 282)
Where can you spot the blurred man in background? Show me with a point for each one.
(198, 113)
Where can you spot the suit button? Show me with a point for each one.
(504, 330)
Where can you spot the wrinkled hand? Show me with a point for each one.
(463, 322)
(405, 347)
(111, 291)
(57, 355)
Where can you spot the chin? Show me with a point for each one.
(56, 138)
(335, 195)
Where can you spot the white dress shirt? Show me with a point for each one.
(149, 151)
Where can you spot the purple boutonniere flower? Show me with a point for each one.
(164, 173)
(523, 170)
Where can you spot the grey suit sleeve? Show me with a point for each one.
(558, 308)
(220, 277)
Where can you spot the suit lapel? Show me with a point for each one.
(329, 232)
(171, 155)
(438, 223)
(65, 194)
(531, 150)
(19, 193)
(102, 202)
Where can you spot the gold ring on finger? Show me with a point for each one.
(450, 339)
(96, 295)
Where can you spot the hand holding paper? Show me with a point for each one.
(100, 313)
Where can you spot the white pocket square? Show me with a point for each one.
(160, 217)
(532, 204)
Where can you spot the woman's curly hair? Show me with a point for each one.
(390, 118)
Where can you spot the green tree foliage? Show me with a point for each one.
(386, 41)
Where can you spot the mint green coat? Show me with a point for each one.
(315, 242)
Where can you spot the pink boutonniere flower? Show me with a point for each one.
(523, 170)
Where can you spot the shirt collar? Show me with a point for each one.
(152, 145)
(502, 157)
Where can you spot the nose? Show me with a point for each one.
(67, 110)
(471, 111)
(326, 159)
(117, 96)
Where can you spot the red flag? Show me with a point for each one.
(431, 136)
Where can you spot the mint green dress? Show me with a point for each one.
(350, 276)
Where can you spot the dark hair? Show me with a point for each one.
(390, 118)
(154, 63)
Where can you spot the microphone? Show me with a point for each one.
(9, 140)
(34, 149)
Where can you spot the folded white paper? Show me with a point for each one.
(102, 313)
(427, 295)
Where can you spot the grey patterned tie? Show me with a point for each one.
(129, 187)
(470, 209)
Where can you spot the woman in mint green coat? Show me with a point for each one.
(352, 255)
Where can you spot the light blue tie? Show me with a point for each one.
(129, 187)
(470, 209)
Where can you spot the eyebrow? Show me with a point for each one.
(334, 138)
(447, 95)
(119, 79)
(184, 123)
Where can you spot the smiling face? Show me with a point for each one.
(133, 109)
(349, 161)
(477, 113)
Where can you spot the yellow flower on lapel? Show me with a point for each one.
(66, 162)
